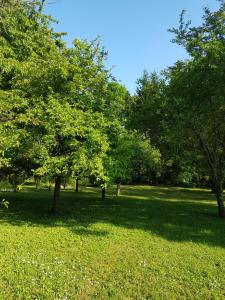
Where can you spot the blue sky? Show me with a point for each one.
(134, 32)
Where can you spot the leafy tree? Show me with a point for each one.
(70, 135)
(116, 99)
(197, 92)
(19, 37)
(55, 95)
(148, 109)
(149, 115)
(119, 159)
(146, 161)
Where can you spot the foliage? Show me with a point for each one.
(63, 115)
(56, 97)
(118, 162)
(148, 109)
(146, 161)
(197, 92)
(5, 203)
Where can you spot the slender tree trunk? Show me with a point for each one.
(64, 183)
(220, 200)
(212, 185)
(103, 194)
(37, 185)
(118, 189)
(37, 182)
(77, 185)
(154, 177)
(221, 209)
(55, 204)
(14, 184)
(217, 180)
(15, 188)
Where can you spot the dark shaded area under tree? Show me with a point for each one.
(176, 215)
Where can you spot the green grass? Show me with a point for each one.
(150, 243)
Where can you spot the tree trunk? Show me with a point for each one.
(55, 204)
(15, 188)
(217, 181)
(212, 185)
(14, 184)
(77, 185)
(64, 183)
(103, 194)
(154, 177)
(220, 201)
(37, 184)
(118, 189)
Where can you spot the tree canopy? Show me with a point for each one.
(62, 114)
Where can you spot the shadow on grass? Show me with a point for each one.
(174, 214)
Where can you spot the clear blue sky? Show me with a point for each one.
(134, 32)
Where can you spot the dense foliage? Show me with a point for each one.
(63, 117)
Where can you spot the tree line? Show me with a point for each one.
(63, 115)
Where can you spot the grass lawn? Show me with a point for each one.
(149, 243)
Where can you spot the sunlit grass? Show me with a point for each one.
(150, 243)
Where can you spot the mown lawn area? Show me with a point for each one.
(149, 243)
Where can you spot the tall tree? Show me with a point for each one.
(52, 95)
(197, 92)
(118, 163)
(148, 109)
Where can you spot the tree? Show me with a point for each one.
(19, 22)
(197, 92)
(149, 115)
(148, 109)
(53, 95)
(70, 135)
(118, 163)
(146, 161)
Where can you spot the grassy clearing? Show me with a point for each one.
(150, 243)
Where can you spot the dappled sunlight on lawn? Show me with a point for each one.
(190, 214)
(140, 240)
